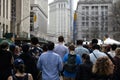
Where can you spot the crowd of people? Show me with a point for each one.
(50, 62)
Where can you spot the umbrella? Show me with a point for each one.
(111, 41)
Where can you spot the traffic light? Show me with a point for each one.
(35, 18)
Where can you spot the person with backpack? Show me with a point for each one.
(71, 61)
(20, 71)
(29, 62)
(35, 50)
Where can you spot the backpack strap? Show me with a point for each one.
(26, 77)
(14, 77)
(94, 55)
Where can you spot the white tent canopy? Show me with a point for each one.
(111, 41)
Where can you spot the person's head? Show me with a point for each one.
(105, 48)
(17, 49)
(25, 48)
(95, 46)
(113, 47)
(71, 47)
(79, 42)
(85, 58)
(12, 47)
(50, 45)
(19, 65)
(94, 41)
(45, 47)
(4, 45)
(117, 52)
(103, 66)
(34, 40)
(61, 39)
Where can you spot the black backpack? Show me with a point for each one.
(70, 65)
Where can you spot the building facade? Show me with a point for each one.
(39, 18)
(93, 18)
(59, 20)
(5, 17)
(20, 18)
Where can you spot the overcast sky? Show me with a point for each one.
(75, 3)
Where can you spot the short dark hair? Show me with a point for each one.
(94, 41)
(72, 47)
(79, 42)
(19, 65)
(50, 45)
(113, 47)
(4, 45)
(60, 38)
(25, 48)
(34, 40)
(95, 46)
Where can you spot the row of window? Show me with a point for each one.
(94, 23)
(94, 7)
(94, 18)
(60, 5)
(94, 13)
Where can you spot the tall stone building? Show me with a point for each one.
(20, 18)
(59, 20)
(93, 18)
(5, 16)
(39, 18)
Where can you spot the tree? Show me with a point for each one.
(116, 12)
(116, 20)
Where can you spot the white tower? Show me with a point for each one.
(59, 20)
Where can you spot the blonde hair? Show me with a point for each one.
(117, 52)
(102, 66)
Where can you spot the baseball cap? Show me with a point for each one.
(18, 62)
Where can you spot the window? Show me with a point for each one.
(31, 8)
(92, 7)
(0, 7)
(87, 7)
(96, 7)
(59, 5)
(106, 28)
(7, 9)
(6, 28)
(83, 7)
(83, 23)
(106, 23)
(87, 18)
(106, 7)
(92, 18)
(64, 5)
(87, 23)
(3, 8)
(93, 24)
(3, 29)
(31, 27)
(83, 18)
(96, 23)
(87, 13)
(101, 28)
(102, 7)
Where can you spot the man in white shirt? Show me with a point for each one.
(96, 53)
